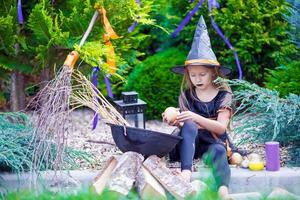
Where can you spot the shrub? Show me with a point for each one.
(264, 116)
(257, 29)
(15, 136)
(155, 83)
(16, 149)
(285, 79)
(259, 32)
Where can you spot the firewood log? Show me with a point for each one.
(124, 174)
(148, 187)
(172, 183)
(103, 177)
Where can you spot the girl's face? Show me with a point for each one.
(200, 76)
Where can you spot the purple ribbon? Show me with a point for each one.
(20, 14)
(138, 2)
(187, 19)
(211, 4)
(133, 25)
(95, 72)
(215, 4)
(108, 88)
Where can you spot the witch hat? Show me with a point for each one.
(201, 53)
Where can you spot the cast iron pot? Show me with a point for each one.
(143, 141)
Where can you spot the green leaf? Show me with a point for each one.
(7, 35)
(40, 22)
(10, 64)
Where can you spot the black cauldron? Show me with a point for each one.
(143, 141)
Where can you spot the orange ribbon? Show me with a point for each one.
(110, 34)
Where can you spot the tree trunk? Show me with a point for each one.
(21, 91)
(17, 93)
(14, 105)
(44, 77)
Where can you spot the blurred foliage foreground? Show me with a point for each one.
(208, 194)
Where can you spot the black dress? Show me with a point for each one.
(223, 100)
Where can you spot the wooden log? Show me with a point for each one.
(124, 174)
(100, 181)
(172, 183)
(148, 187)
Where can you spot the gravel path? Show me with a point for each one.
(81, 131)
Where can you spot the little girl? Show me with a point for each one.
(205, 110)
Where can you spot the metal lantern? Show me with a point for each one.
(132, 109)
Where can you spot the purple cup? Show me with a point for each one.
(272, 156)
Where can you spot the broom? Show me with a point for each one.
(50, 119)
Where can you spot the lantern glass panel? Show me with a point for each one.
(135, 120)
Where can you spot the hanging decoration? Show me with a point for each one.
(211, 4)
(20, 14)
(110, 34)
(110, 57)
(95, 72)
(186, 20)
(131, 28)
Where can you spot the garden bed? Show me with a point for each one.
(81, 131)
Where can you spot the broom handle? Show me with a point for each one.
(89, 29)
(74, 55)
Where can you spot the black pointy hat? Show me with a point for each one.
(201, 53)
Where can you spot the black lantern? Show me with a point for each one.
(132, 109)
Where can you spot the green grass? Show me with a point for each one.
(90, 194)
(87, 194)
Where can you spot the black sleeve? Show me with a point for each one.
(225, 102)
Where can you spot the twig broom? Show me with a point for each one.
(51, 118)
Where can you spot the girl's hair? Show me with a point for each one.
(187, 84)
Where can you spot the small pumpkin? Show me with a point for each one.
(236, 159)
(170, 114)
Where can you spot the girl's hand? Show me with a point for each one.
(186, 115)
(175, 123)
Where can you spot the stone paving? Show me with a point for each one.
(243, 181)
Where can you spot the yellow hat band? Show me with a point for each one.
(202, 61)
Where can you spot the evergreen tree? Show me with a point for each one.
(53, 28)
(257, 29)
